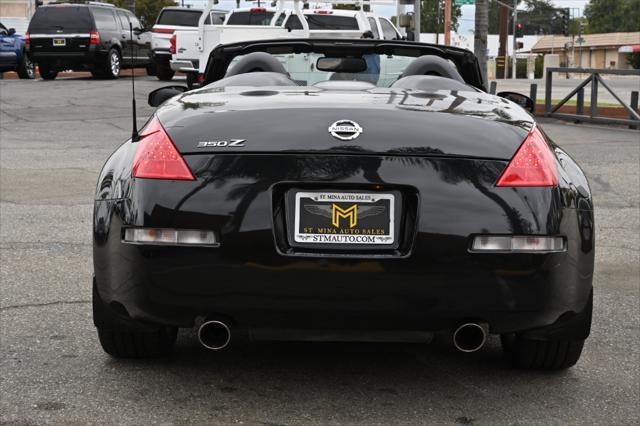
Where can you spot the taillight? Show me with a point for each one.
(257, 10)
(323, 12)
(162, 30)
(157, 157)
(533, 165)
(94, 37)
(27, 38)
(200, 78)
(172, 44)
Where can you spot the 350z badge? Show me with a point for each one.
(222, 144)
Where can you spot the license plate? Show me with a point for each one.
(59, 41)
(344, 218)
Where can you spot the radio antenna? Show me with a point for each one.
(135, 137)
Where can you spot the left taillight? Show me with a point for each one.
(157, 156)
(172, 44)
(94, 37)
(27, 38)
(534, 164)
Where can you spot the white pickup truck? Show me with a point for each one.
(191, 49)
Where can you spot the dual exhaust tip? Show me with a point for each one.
(214, 335)
(468, 337)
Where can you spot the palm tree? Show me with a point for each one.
(480, 35)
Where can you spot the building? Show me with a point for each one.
(608, 50)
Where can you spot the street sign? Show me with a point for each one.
(463, 2)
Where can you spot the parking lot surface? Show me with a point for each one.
(54, 138)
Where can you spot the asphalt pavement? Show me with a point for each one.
(54, 138)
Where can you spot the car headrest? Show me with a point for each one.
(432, 65)
(429, 83)
(254, 79)
(256, 62)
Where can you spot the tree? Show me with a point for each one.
(480, 35)
(607, 16)
(428, 16)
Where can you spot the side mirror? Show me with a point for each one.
(159, 96)
(520, 99)
(12, 31)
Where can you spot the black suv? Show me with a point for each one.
(92, 36)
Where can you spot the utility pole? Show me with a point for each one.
(437, 21)
(447, 22)
(515, 44)
(480, 35)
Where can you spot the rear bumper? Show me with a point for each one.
(184, 65)
(69, 60)
(249, 282)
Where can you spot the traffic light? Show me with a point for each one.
(519, 30)
(566, 20)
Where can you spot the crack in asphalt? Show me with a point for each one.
(40, 305)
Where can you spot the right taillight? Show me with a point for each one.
(157, 157)
(27, 38)
(172, 44)
(533, 165)
(94, 37)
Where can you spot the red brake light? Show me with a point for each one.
(157, 157)
(533, 165)
(200, 78)
(27, 38)
(162, 30)
(257, 9)
(323, 12)
(172, 44)
(95, 37)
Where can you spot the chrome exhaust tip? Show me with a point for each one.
(214, 335)
(470, 337)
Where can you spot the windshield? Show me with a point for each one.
(250, 18)
(331, 22)
(179, 18)
(381, 70)
(61, 19)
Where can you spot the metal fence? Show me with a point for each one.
(595, 80)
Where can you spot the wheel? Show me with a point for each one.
(46, 72)
(164, 71)
(113, 64)
(561, 350)
(26, 68)
(191, 80)
(120, 337)
(151, 68)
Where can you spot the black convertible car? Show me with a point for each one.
(337, 190)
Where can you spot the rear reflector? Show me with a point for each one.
(172, 237)
(533, 165)
(157, 157)
(520, 243)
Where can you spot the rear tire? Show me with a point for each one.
(560, 351)
(164, 71)
(120, 337)
(26, 68)
(114, 64)
(47, 73)
(530, 354)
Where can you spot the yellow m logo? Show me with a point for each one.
(350, 213)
